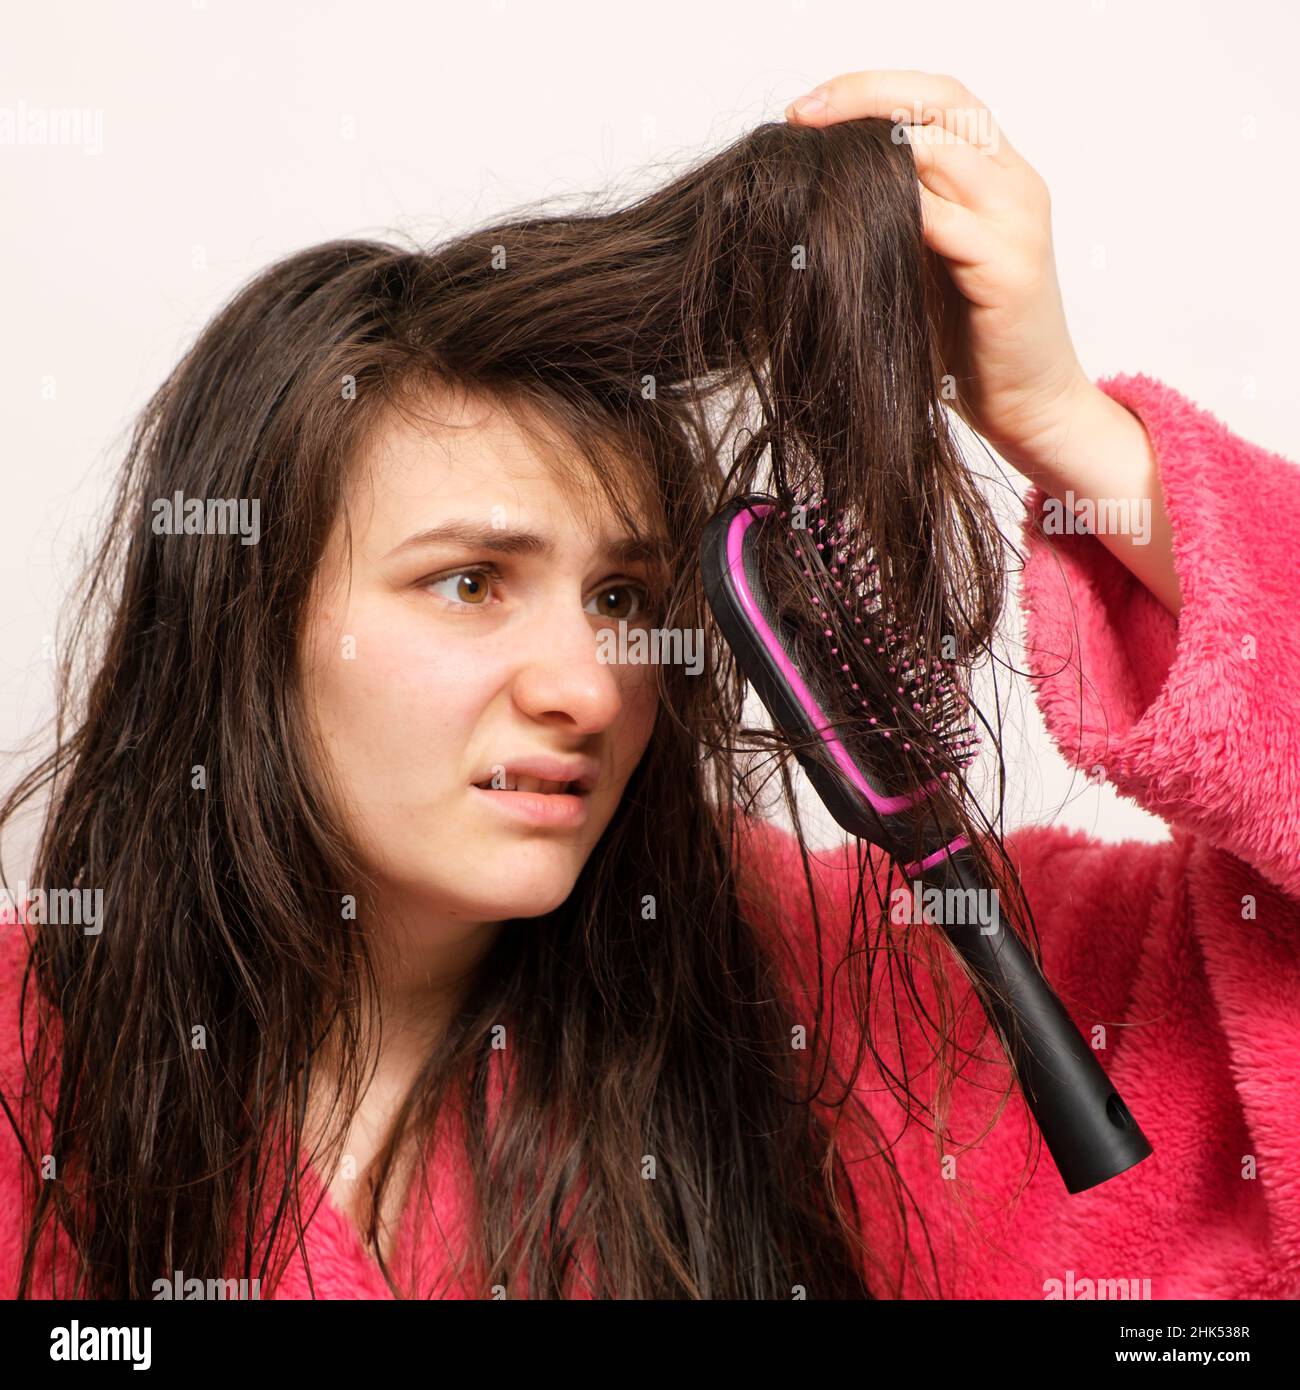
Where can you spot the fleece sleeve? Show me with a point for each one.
(1196, 718)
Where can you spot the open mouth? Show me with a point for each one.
(533, 784)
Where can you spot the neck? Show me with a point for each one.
(423, 967)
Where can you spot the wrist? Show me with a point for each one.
(1052, 456)
(1104, 452)
(1103, 455)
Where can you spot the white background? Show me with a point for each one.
(234, 132)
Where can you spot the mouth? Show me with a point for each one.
(537, 785)
(540, 774)
(556, 803)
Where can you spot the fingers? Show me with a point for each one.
(908, 97)
(948, 166)
(951, 230)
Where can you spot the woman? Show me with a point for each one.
(361, 1020)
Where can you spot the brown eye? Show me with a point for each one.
(616, 610)
(471, 588)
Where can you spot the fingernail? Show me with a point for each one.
(808, 106)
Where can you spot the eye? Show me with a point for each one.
(610, 593)
(470, 588)
(464, 589)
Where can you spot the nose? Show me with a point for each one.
(562, 679)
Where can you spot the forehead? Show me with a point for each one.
(451, 450)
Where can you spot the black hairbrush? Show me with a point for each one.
(915, 719)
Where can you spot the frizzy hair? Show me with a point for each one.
(778, 294)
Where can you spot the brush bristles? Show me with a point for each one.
(917, 701)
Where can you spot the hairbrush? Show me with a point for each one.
(875, 726)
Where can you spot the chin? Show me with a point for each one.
(516, 904)
(523, 879)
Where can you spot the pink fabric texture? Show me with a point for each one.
(1186, 952)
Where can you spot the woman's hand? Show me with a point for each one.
(1017, 379)
(988, 214)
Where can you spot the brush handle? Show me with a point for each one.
(1086, 1126)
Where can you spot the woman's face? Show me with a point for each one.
(454, 661)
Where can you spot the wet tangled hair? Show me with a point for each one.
(777, 294)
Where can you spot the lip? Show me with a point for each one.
(559, 810)
(583, 771)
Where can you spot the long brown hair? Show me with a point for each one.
(778, 292)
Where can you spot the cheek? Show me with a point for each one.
(640, 699)
(395, 712)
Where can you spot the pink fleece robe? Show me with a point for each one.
(1187, 952)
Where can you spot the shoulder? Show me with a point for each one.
(771, 872)
(14, 951)
(1092, 902)
(13, 964)
(800, 898)
(1095, 907)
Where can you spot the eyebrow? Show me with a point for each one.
(625, 550)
